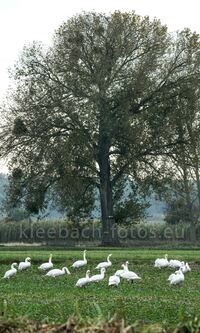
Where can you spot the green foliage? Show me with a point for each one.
(74, 196)
(177, 212)
(130, 201)
(181, 197)
(17, 214)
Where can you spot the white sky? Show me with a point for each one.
(22, 21)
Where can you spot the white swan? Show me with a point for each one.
(11, 271)
(173, 263)
(172, 276)
(177, 277)
(98, 277)
(23, 265)
(46, 265)
(104, 264)
(114, 280)
(83, 281)
(120, 271)
(80, 263)
(58, 272)
(162, 262)
(129, 275)
(186, 268)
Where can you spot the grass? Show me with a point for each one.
(37, 297)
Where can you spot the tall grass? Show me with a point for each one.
(89, 232)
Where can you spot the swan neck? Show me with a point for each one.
(108, 259)
(65, 269)
(84, 256)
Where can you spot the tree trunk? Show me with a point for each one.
(195, 160)
(198, 184)
(187, 191)
(189, 212)
(109, 228)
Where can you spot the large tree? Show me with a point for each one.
(96, 107)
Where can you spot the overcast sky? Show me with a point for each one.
(22, 21)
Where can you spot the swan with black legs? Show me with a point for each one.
(129, 275)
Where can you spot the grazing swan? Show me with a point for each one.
(46, 265)
(177, 277)
(176, 263)
(186, 268)
(104, 264)
(98, 277)
(129, 275)
(120, 271)
(83, 281)
(114, 280)
(11, 271)
(172, 276)
(24, 264)
(80, 263)
(162, 262)
(58, 272)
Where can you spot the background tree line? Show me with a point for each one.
(114, 99)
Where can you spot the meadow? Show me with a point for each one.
(31, 294)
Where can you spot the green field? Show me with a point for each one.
(35, 296)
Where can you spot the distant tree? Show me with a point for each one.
(181, 175)
(177, 205)
(95, 107)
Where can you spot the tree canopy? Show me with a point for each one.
(97, 107)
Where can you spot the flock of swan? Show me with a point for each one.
(175, 279)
